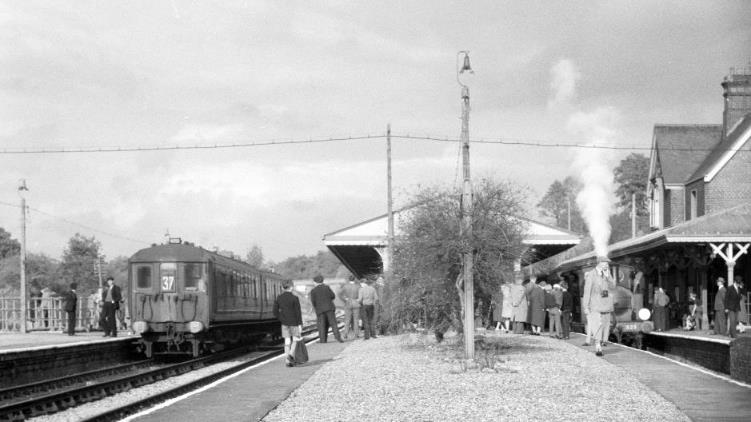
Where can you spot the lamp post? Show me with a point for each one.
(21, 190)
(466, 206)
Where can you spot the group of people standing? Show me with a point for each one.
(359, 303)
(110, 296)
(523, 306)
(727, 306)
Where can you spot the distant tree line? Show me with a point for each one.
(301, 266)
(78, 264)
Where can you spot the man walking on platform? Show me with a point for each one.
(349, 293)
(368, 297)
(597, 302)
(566, 309)
(733, 307)
(111, 298)
(287, 311)
(71, 304)
(719, 308)
(322, 298)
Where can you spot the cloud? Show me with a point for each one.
(564, 77)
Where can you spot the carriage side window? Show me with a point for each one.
(192, 276)
(167, 273)
(143, 276)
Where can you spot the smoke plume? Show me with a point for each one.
(596, 201)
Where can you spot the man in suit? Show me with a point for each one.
(597, 303)
(111, 298)
(733, 306)
(566, 308)
(70, 306)
(719, 308)
(287, 311)
(322, 298)
(349, 294)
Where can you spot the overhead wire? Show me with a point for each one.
(74, 223)
(260, 143)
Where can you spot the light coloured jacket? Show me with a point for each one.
(594, 285)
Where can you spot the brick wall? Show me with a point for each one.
(676, 215)
(740, 359)
(732, 185)
(697, 186)
(711, 355)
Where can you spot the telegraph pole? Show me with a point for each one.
(466, 206)
(21, 189)
(390, 202)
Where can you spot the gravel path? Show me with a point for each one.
(406, 378)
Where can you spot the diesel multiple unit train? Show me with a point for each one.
(187, 300)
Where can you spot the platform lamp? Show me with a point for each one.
(466, 208)
(22, 189)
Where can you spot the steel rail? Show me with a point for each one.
(154, 399)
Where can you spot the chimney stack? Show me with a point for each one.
(736, 89)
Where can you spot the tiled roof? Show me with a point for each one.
(712, 160)
(681, 149)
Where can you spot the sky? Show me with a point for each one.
(143, 74)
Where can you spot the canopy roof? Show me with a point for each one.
(357, 246)
(730, 225)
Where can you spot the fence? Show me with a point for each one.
(48, 315)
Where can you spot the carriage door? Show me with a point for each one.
(167, 287)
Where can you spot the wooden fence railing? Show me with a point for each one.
(48, 315)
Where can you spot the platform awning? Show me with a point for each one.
(362, 247)
(728, 226)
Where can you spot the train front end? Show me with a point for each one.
(169, 299)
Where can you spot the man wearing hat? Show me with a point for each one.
(322, 299)
(720, 319)
(71, 304)
(597, 302)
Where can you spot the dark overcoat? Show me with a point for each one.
(322, 298)
(536, 305)
(287, 309)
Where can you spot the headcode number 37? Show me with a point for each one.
(168, 282)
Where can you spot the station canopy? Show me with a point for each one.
(363, 247)
(726, 227)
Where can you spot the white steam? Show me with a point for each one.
(564, 77)
(596, 201)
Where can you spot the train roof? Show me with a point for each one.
(171, 252)
(186, 252)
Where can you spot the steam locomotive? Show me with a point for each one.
(187, 300)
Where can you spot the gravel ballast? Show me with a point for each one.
(408, 378)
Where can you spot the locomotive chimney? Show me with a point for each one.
(736, 88)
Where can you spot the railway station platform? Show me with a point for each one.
(700, 394)
(248, 395)
(13, 342)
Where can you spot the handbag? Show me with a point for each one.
(301, 352)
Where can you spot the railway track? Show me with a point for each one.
(47, 397)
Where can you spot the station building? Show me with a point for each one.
(699, 194)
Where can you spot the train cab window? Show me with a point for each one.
(167, 273)
(193, 276)
(143, 276)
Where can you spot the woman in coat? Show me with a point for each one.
(536, 307)
(519, 306)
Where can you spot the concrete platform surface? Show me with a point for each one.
(248, 396)
(699, 393)
(17, 342)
